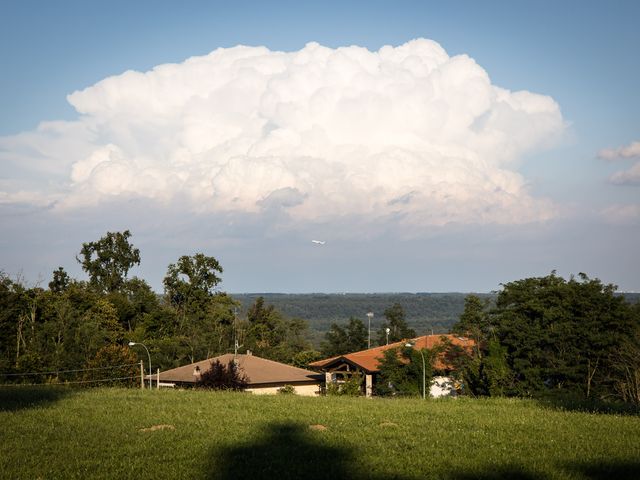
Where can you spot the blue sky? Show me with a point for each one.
(571, 197)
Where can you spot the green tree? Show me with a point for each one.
(98, 328)
(108, 261)
(305, 357)
(351, 387)
(475, 323)
(60, 281)
(397, 325)
(203, 316)
(561, 336)
(112, 365)
(270, 335)
(191, 279)
(340, 340)
(401, 371)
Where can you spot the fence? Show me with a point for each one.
(115, 374)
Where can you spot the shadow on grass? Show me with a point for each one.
(20, 398)
(579, 404)
(601, 470)
(501, 472)
(621, 470)
(287, 451)
(293, 451)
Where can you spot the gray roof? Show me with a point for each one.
(258, 371)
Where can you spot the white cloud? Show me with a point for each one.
(628, 151)
(630, 176)
(627, 177)
(406, 132)
(628, 214)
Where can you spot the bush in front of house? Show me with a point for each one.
(223, 377)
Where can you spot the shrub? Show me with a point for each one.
(221, 377)
(112, 365)
(287, 390)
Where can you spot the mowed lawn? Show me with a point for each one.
(127, 433)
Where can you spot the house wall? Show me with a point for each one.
(304, 390)
(442, 387)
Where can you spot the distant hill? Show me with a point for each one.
(425, 312)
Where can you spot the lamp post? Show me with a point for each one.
(424, 371)
(370, 315)
(131, 344)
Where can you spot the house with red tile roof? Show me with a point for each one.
(367, 361)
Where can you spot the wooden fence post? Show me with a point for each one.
(141, 375)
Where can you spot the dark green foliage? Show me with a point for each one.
(340, 340)
(352, 386)
(424, 311)
(112, 365)
(475, 322)
(287, 390)
(397, 325)
(551, 336)
(65, 327)
(304, 358)
(221, 377)
(401, 371)
(60, 281)
(204, 318)
(268, 334)
(192, 279)
(108, 261)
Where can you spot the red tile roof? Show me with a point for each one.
(369, 360)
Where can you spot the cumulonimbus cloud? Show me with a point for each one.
(320, 132)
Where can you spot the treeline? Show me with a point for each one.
(551, 337)
(425, 312)
(79, 325)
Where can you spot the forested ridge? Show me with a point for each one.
(424, 312)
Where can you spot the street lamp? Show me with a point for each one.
(370, 315)
(131, 344)
(424, 371)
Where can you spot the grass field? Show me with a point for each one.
(119, 433)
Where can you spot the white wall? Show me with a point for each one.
(442, 387)
(304, 390)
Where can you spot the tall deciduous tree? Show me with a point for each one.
(272, 336)
(60, 281)
(397, 325)
(550, 336)
(340, 340)
(204, 317)
(191, 280)
(108, 261)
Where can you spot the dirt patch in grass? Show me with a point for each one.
(388, 424)
(155, 428)
(318, 427)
